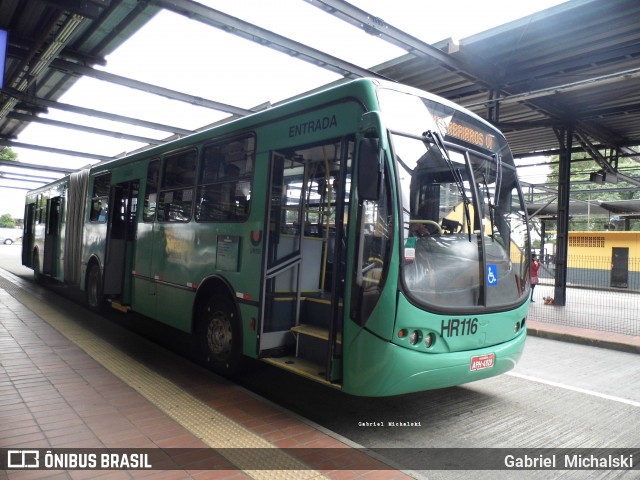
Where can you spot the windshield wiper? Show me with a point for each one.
(491, 205)
(498, 158)
(435, 139)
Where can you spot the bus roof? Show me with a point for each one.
(362, 88)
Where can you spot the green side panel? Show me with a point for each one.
(250, 315)
(175, 306)
(143, 295)
(333, 121)
(129, 171)
(128, 278)
(143, 289)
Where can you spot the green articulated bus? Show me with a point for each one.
(371, 237)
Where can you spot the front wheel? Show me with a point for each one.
(94, 287)
(219, 336)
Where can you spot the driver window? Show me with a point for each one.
(376, 236)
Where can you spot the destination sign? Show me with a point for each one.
(466, 133)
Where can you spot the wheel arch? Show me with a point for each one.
(93, 260)
(94, 288)
(209, 287)
(217, 328)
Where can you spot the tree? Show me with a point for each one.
(7, 221)
(581, 170)
(7, 154)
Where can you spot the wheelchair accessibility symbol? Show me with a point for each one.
(492, 275)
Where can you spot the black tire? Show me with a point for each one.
(219, 336)
(94, 287)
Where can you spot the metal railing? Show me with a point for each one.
(598, 296)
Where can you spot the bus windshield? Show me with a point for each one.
(465, 233)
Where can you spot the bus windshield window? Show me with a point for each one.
(465, 235)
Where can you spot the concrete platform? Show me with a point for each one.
(66, 389)
(585, 336)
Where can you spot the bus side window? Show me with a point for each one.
(178, 179)
(151, 191)
(225, 181)
(100, 198)
(41, 208)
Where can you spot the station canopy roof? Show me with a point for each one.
(604, 208)
(577, 63)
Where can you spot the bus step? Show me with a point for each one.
(316, 311)
(118, 306)
(314, 331)
(302, 367)
(312, 343)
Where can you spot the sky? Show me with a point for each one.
(174, 52)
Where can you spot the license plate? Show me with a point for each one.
(482, 362)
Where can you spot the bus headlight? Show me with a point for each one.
(428, 340)
(415, 337)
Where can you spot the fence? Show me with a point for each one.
(598, 296)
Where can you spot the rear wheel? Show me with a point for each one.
(94, 287)
(37, 275)
(219, 335)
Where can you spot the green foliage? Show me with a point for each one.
(583, 189)
(582, 168)
(7, 154)
(7, 221)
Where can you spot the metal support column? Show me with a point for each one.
(565, 137)
(493, 108)
(543, 233)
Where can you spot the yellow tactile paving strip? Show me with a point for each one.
(214, 429)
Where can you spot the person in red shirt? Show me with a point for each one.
(535, 266)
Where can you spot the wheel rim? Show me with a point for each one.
(219, 335)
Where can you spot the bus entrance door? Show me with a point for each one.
(281, 285)
(52, 237)
(121, 233)
(301, 327)
(27, 238)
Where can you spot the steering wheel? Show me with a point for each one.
(429, 222)
(372, 263)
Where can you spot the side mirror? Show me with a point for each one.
(369, 169)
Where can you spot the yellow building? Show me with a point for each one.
(604, 259)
